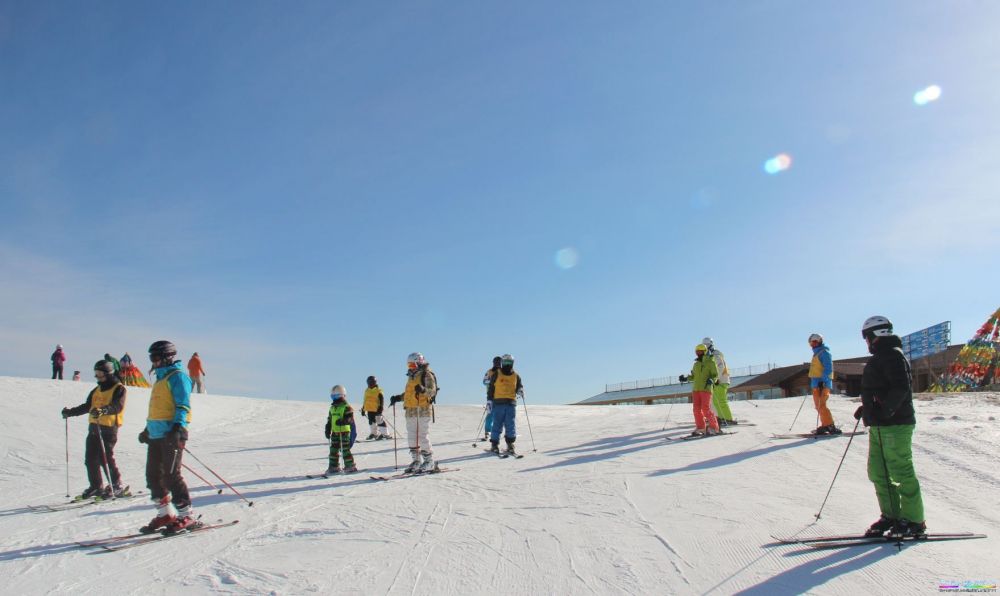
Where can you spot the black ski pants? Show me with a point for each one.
(96, 454)
(163, 472)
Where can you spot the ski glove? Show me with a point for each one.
(395, 399)
(177, 437)
(144, 436)
(98, 412)
(683, 378)
(65, 412)
(326, 429)
(419, 389)
(859, 412)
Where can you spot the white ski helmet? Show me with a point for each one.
(416, 358)
(816, 337)
(876, 326)
(708, 342)
(338, 392)
(506, 360)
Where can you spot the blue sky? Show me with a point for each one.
(304, 194)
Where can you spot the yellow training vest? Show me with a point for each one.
(101, 398)
(505, 386)
(161, 401)
(410, 397)
(371, 398)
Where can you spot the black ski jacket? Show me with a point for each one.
(886, 395)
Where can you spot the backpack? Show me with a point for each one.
(423, 381)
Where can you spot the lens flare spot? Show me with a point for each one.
(567, 258)
(927, 95)
(777, 164)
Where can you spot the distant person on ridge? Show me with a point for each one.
(166, 437)
(106, 406)
(720, 399)
(821, 382)
(488, 382)
(703, 374)
(339, 421)
(372, 408)
(196, 372)
(76, 375)
(887, 408)
(418, 399)
(58, 358)
(505, 386)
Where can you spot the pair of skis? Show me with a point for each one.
(849, 540)
(815, 436)
(125, 541)
(504, 454)
(704, 436)
(413, 474)
(78, 503)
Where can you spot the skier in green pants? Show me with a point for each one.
(887, 407)
(720, 400)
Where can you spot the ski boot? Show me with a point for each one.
(429, 464)
(697, 432)
(907, 529)
(166, 514)
(414, 466)
(370, 437)
(822, 430)
(89, 493)
(732, 422)
(510, 447)
(332, 470)
(711, 432)
(835, 431)
(350, 469)
(495, 449)
(184, 522)
(882, 525)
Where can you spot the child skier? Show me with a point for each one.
(338, 431)
(703, 374)
(488, 382)
(106, 406)
(166, 437)
(505, 386)
(821, 381)
(418, 399)
(372, 407)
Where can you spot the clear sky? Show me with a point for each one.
(306, 192)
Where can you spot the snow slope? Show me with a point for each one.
(605, 506)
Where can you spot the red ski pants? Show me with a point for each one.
(702, 402)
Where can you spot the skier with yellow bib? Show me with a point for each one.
(418, 399)
(106, 406)
(372, 407)
(166, 436)
(505, 386)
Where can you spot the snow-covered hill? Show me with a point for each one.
(605, 506)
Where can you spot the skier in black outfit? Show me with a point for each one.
(887, 407)
(106, 405)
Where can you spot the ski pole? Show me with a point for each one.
(799, 412)
(482, 424)
(526, 417)
(667, 419)
(66, 420)
(395, 452)
(838, 468)
(104, 460)
(216, 474)
(217, 490)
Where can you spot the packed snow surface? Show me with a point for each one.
(606, 505)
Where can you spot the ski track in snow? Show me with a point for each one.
(605, 506)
